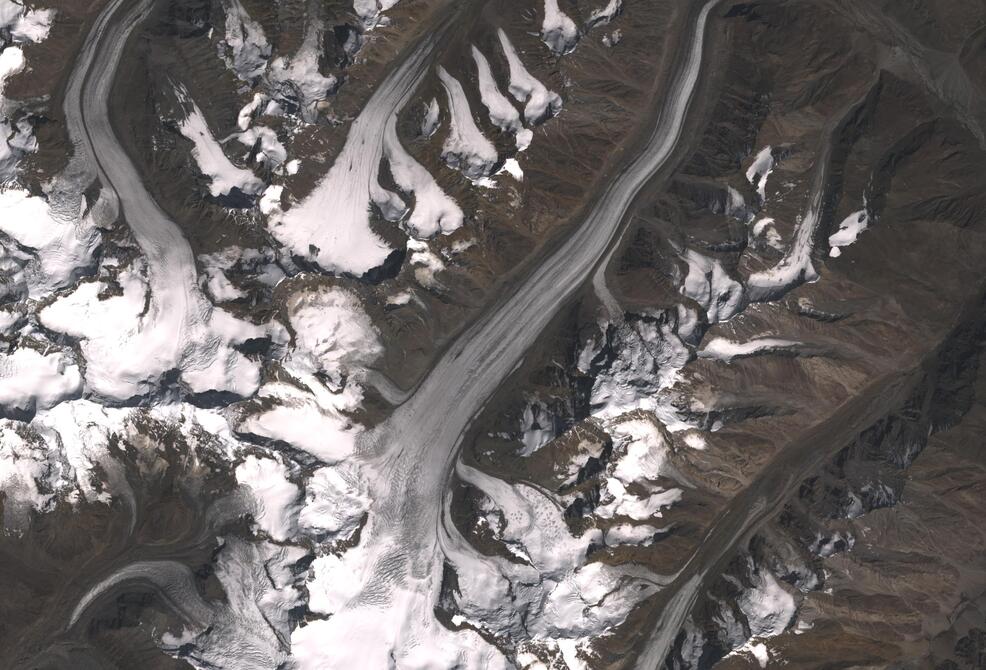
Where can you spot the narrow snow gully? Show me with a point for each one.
(411, 456)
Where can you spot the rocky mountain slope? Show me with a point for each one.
(491, 334)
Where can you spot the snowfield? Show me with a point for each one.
(759, 170)
(350, 526)
(334, 341)
(540, 103)
(331, 227)
(131, 340)
(558, 31)
(370, 11)
(849, 230)
(212, 162)
(465, 148)
(31, 380)
(502, 112)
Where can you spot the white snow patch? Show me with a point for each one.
(24, 465)
(369, 11)
(332, 334)
(642, 450)
(400, 298)
(426, 263)
(695, 440)
(332, 225)
(431, 120)
(708, 284)
(629, 534)
(503, 114)
(536, 427)
(796, 266)
(298, 79)
(604, 15)
(79, 432)
(251, 626)
(25, 25)
(759, 170)
(722, 349)
(765, 227)
(849, 231)
(618, 501)
(308, 416)
(209, 156)
(333, 340)
(513, 168)
(558, 30)
(61, 247)
(769, 609)
(245, 117)
(648, 357)
(401, 631)
(270, 202)
(541, 103)
(15, 139)
(270, 150)
(610, 40)
(434, 210)
(465, 148)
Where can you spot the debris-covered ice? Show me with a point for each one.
(369, 11)
(708, 284)
(604, 15)
(245, 48)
